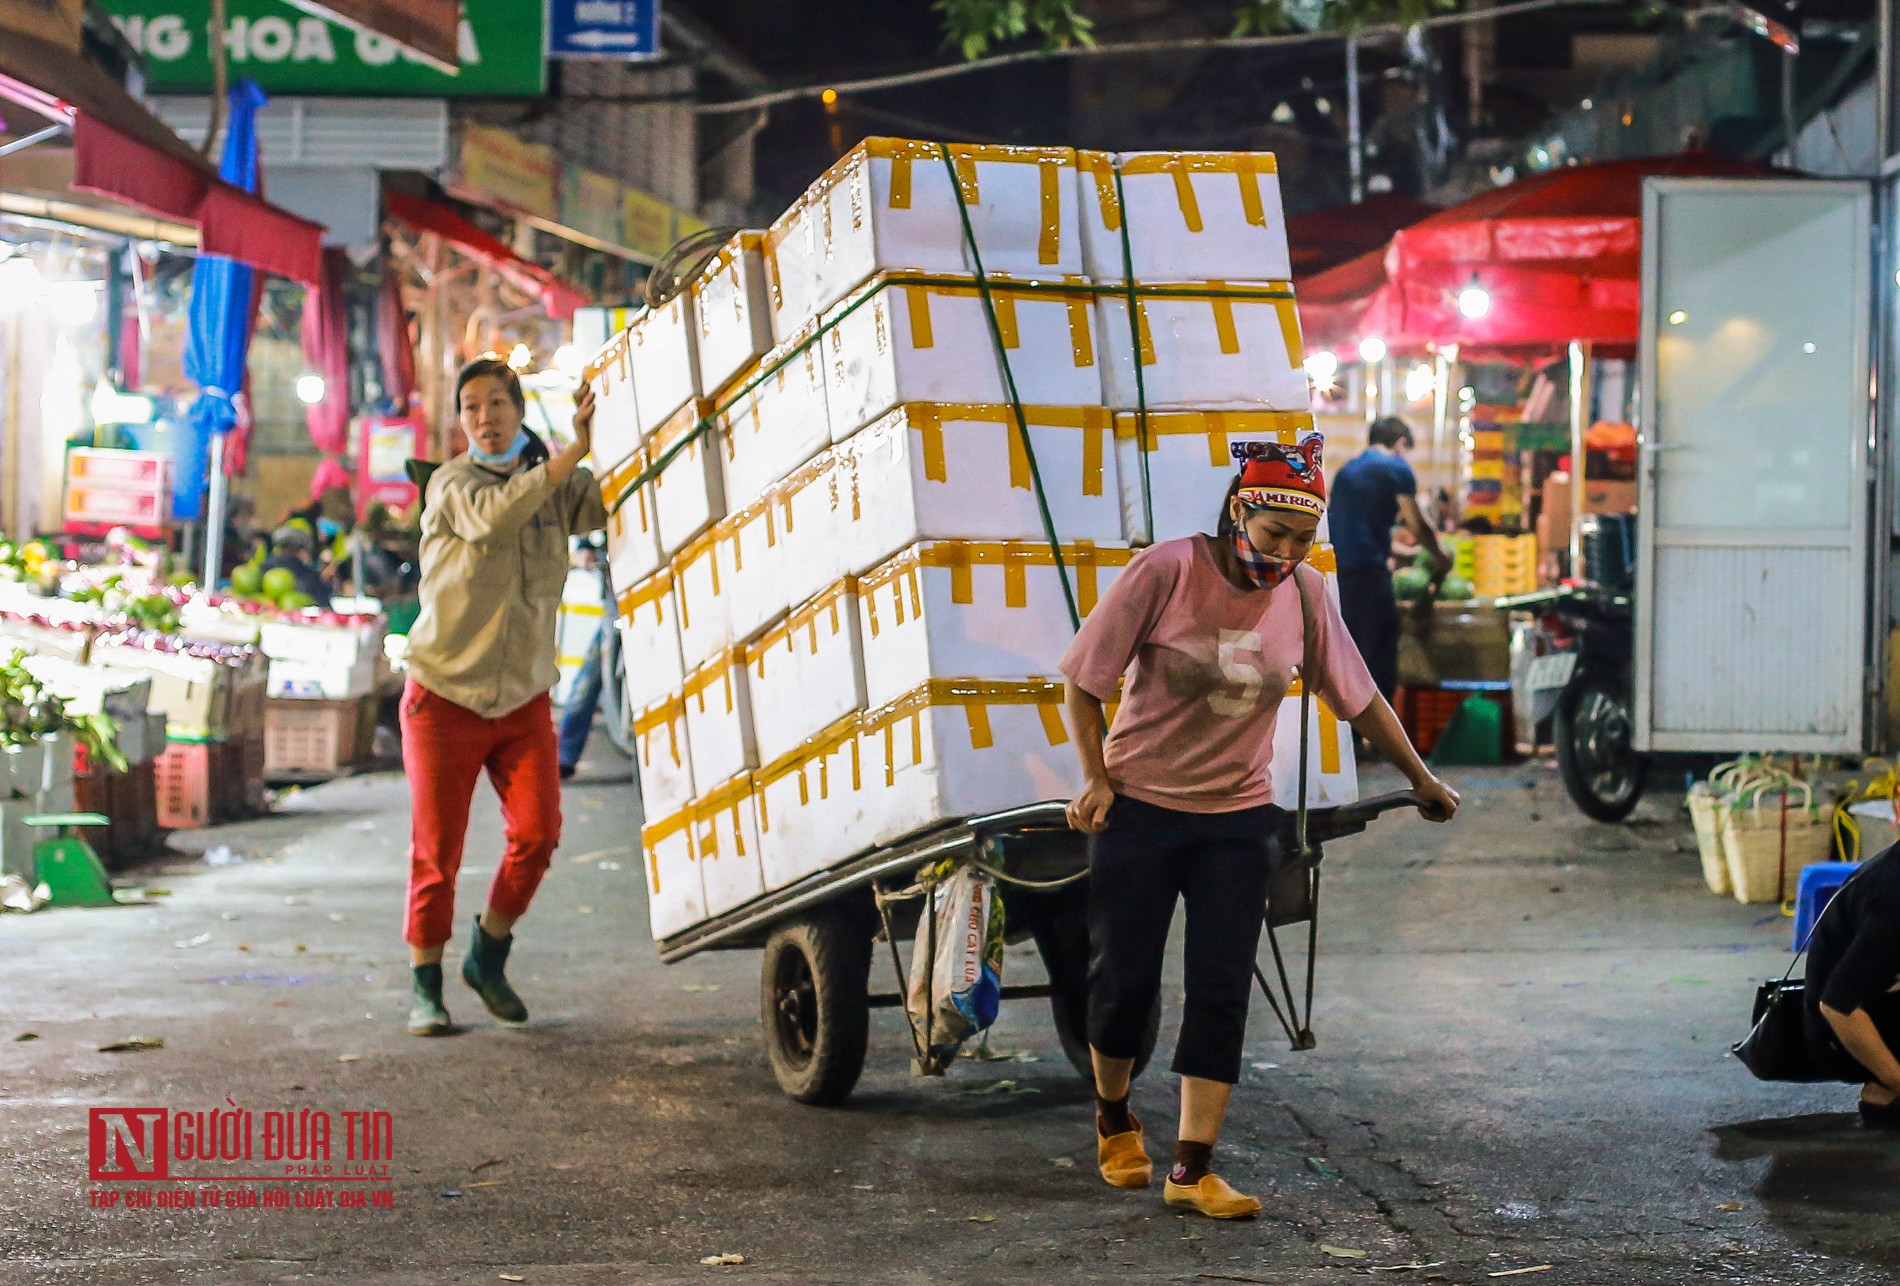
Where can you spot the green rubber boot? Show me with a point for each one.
(428, 1017)
(482, 969)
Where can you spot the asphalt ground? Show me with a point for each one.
(1523, 1022)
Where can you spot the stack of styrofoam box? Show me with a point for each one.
(322, 661)
(843, 619)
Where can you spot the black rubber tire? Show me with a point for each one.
(1062, 936)
(1578, 771)
(814, 1007)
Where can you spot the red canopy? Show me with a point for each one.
(559, 298)
(122, 151)
(1559, 255)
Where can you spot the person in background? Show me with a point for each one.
(1370, 496)
(1852, 995)
(495, 526)
(240, 536)
(577, 721)
(295, 551)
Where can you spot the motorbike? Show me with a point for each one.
(1592, 672)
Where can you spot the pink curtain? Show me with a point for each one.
(326, 351)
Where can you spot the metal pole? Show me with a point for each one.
(1787, 104)
(214, 514)
(1579, 422)
(1355, 143)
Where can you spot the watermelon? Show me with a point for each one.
(247, 579)
(279, 581)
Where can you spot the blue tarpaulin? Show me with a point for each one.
(223, 298)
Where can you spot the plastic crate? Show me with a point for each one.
(183, 785)
(1425, 712)
(312, 736)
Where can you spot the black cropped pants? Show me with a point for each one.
(1147, 859)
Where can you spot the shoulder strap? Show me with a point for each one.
(1310, 678)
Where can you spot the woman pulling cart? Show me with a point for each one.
(1178, 803)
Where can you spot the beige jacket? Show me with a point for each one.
(494, 561)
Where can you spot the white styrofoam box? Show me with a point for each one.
(1332, 775)
(329, 680)
(689, 495)
(650, 640)
(955, 748)
(23, 769)
(921, 339)
(1238, 351)
(747, 551)
(58, 770)
(809, 805)
(676, 899)
(18, 840)
(1192, 216)
(719, 718)
(817, 507)
(947, 472)
(779, 709)
(617, 431)
(141, 740)
(633, 530)
(779, 424)
(87, 689)
(829, 656)
(726, 839)
(732, 311)
(576, 625)
(665, 360)
(705, 620)
(309, 641)
(666, 763)
(890, 203)
(57, 799)
(975, 610)
(1190, 464)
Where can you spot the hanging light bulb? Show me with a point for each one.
(521, 358)
(1322, 367)
(310, 388)
(1372, 350)
(1474, 301)
(1419, 383)
(567, 360)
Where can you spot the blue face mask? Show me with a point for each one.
(503, 459)
(327, 530)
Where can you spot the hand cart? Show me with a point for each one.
(819, 935)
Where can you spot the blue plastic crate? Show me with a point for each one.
(1819, 883)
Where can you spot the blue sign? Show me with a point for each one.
(604, 28)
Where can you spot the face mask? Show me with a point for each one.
(327, 530)
(503, 459)
(1262, 571)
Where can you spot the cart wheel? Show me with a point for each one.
(815, 1011)
(1063, 939)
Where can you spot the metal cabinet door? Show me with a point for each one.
(1753, 568)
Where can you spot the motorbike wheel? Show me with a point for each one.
(1594, 735)
(615, 716)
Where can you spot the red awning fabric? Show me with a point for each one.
(1323, 239)
(1559, 254)
(559, 298)
(1346, 303)
(122, 151)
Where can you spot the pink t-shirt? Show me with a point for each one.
(1211, 664)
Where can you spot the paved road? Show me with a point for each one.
(1522, 1026)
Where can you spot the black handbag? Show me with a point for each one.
(1776, 1047)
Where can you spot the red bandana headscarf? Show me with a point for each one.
(1274, 475)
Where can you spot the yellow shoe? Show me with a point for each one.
(1211, 1197)
(1124, 1162)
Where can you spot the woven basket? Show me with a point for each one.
(1705, 810)
(1752, 841)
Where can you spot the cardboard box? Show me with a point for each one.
(1455, 642)
(1205, 352)
(960, 473)
(1191, 216)
(974, 610)
(1190, 464)
(1599, 497)
(192, 691)
(732, 311)
(892, 204)
(917, 339)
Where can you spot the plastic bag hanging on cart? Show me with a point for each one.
(956, 969)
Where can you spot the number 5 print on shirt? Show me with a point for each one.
(1240, 659)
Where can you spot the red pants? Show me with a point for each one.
(444, 748)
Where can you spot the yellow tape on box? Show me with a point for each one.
(1220, 346)
(718, 706)
(617, 432)
(726, 842)
(650, 640)
(676, 896)
(731, 311)
(666, 764)
(633, 535)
